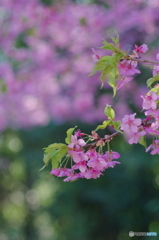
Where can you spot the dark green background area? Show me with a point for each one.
(36, 205)
(50, 2)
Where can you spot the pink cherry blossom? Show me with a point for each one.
(88, 163)
(151, 131)
(152, 112)
(142, 49)
(92, 173)
(61, 172)
(78, 155)
(98, 164)
(154, 146)
(157, 56)
(149, 100)
(75, 142)
(82, 166)
(73, 177)
(123, 81)
(155, 124)
(155, 70)
(128, 68)
(111, 164)
(135, 137)
(130, 124)
(78, 133)
(55, 172)
(92, 153)
(110, 155)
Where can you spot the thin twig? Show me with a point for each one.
(107, 139)
(141, 60)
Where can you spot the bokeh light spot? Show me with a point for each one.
(15, 144)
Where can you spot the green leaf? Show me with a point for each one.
(154, 89)
(58, 156)
(104, 125)
(111, 70)
(54, 152)
(115, 40)
(112, 77)
(104, 74)
(109, 112)
(69, 134)
(49, 155)
(102, 63)
(143, 141)
(108, 65)
(120, 55)
(117, 125)
(152, 80)
(54, 146)
(110, 46)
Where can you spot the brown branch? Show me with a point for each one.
(141, 60)
(107, 139)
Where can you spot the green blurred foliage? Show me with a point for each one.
(37, 205)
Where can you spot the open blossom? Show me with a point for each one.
(128, 67)
(61, 172)
(92, 173)
(149, 101)
(155, 124)
(152, 112)
(111, 164)
(151, 131)
(73, 177)
(135, 137)
(75, 142)
(142, 49)
(97, 164)
(130, 124)
(123, 81)
(78, 155)
(66, 172)
(154, 146)
(110, 155)
(155, 70)
(82, 166)
(92, 153)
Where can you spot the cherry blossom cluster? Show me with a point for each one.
(128, 67)
(135, 128)
(41, 64)
(86, 161)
